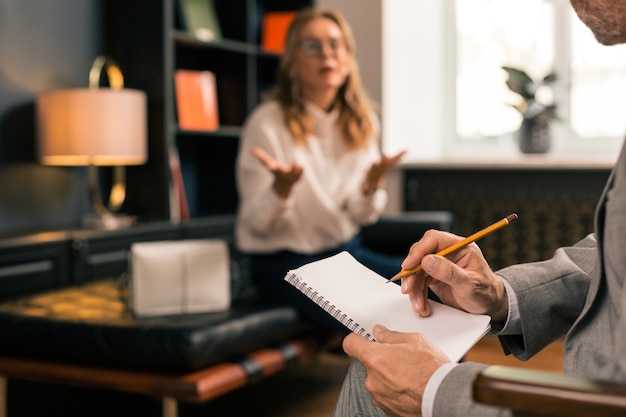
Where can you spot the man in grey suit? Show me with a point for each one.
(580, 293)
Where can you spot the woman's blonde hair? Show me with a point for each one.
(354, 107)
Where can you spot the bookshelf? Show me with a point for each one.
(150, 41)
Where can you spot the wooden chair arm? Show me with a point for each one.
(544, 394)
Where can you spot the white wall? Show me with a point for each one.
(364, 17)
(414, 95)
(402, 66)
(403, 69)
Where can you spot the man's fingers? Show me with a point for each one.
(432, 242)
(353, 345)
(417, 289)
(384, 335)
(443, 270)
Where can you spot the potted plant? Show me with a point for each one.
(534, 133)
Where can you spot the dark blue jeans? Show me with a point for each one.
(268, 273)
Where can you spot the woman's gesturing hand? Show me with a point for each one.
(375, 177)
(285, 176)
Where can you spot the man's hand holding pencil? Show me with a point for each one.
(455, 269)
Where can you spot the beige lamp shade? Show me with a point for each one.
(92, 127)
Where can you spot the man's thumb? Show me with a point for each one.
(384, 335)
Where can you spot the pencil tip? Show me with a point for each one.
(395, 277)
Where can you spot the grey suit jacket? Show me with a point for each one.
(579, 294)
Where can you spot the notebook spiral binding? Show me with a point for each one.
(343, 318)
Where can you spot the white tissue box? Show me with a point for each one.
(178, 277)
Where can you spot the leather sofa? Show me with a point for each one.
(84, 322)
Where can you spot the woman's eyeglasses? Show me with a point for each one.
(314, 46)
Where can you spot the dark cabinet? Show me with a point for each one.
(45, 261)
(99, 254)
(34, 263)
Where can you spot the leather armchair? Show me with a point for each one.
(529, 393)
(394, 234)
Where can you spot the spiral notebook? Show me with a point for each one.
(360, 298)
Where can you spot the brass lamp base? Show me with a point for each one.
(107, 221)
(107, 217)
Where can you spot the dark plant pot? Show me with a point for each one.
(534, 136)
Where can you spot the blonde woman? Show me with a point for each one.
(309, 170)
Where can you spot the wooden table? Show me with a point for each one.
(197, 386)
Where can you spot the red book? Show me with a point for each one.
(196, 100)
(180, 207)
(275, 26)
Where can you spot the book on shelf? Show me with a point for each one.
(179, 206)
(360, 298)
(200, 19)
(196, 100)
(274, 30)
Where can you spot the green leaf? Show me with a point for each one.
(550, 78)
(519, 82)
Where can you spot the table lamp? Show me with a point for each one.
(95, 127)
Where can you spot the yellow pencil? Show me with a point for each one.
(478, 235)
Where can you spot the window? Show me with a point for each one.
(598, 75)
(490, 34)
(537, 36)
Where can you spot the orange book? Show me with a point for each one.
(275, 26)
(196, 100)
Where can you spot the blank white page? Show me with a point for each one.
(366, 298)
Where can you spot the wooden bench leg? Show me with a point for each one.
(169, 405)
(3, 396)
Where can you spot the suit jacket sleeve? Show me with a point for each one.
(454, 396)
(550, 294)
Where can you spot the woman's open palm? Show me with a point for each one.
(285, 176)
